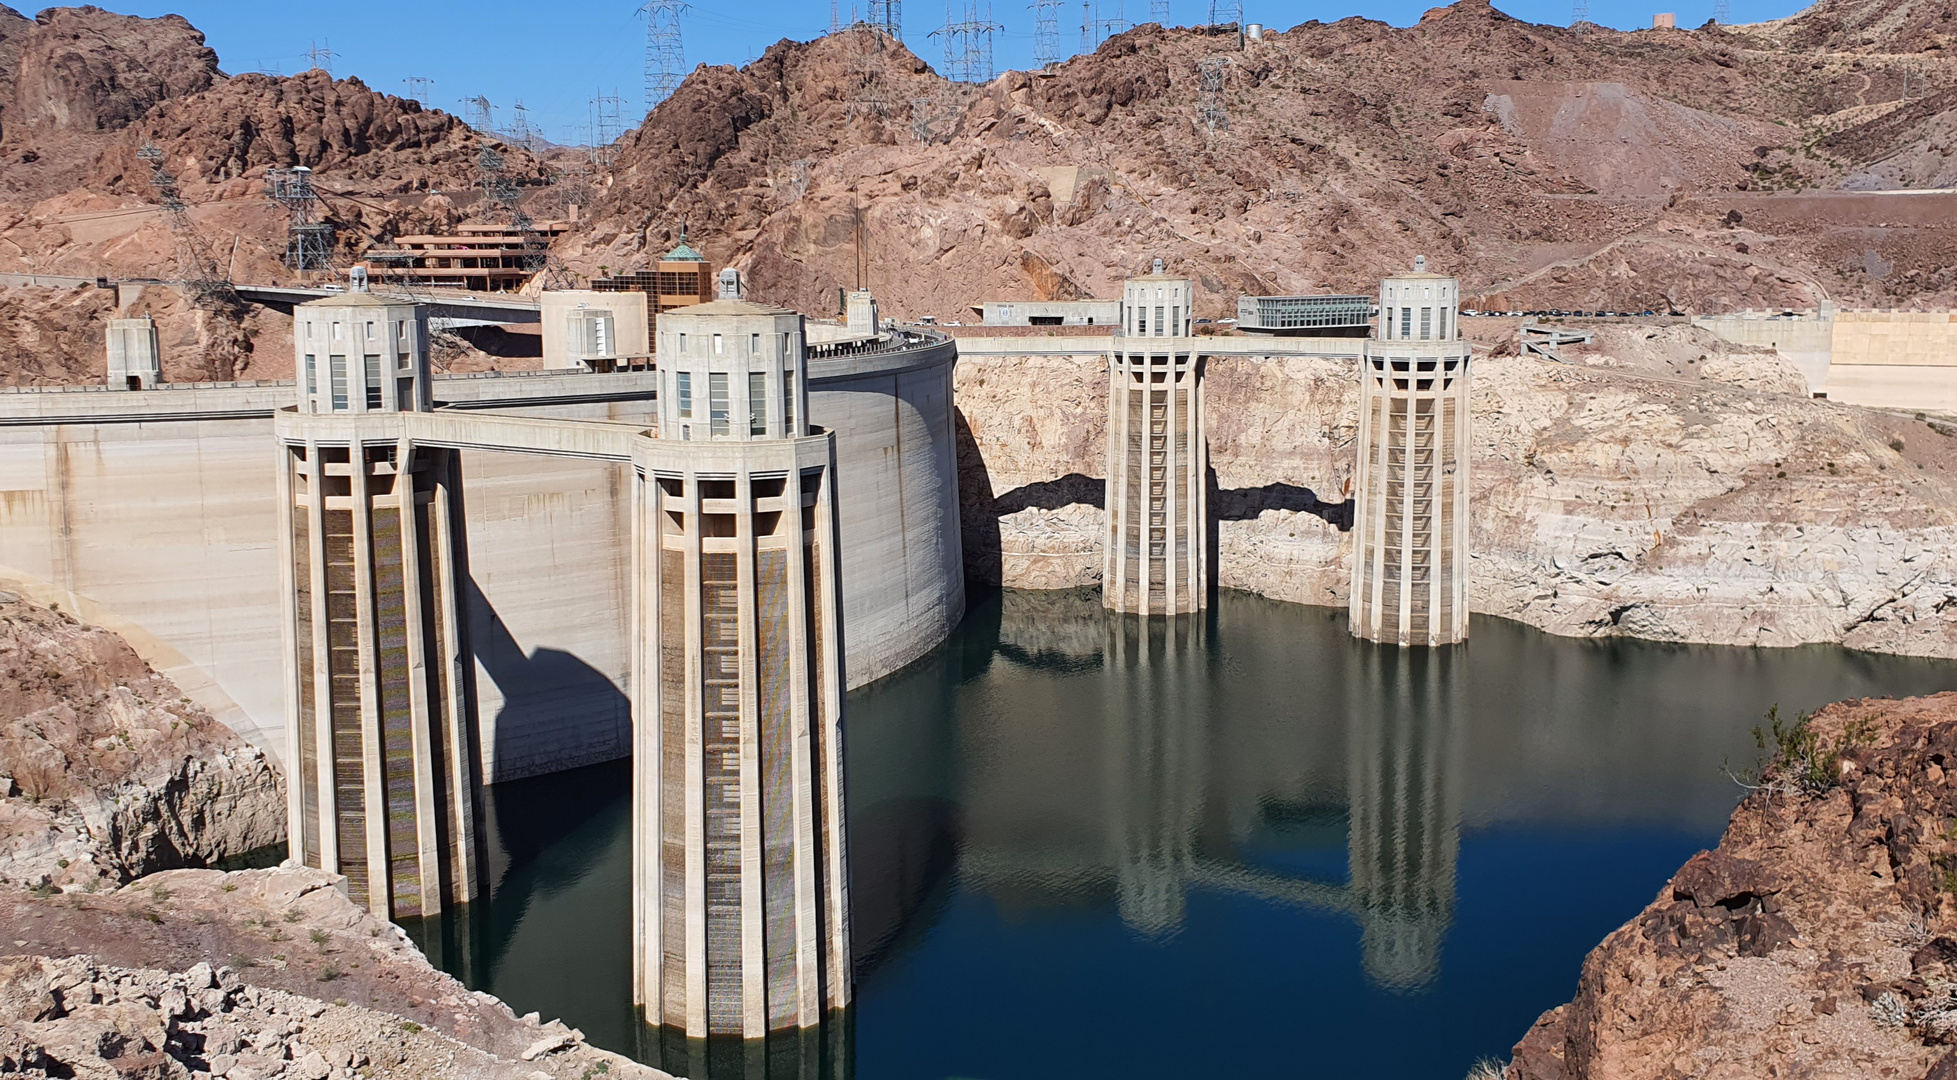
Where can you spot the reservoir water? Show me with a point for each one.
(1242, 844)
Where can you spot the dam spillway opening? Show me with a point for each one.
(1081, 839)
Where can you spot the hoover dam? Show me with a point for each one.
(155, 513)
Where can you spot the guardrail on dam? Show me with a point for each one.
(154, 513)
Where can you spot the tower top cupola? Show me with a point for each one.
(1419, 305)
(732, 369)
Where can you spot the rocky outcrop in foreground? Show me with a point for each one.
(248, 976)
(1818, 940)
(107, 771)
(1662, 485)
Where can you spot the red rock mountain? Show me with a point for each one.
(1548, 167)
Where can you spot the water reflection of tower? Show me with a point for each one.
(1404, 800)
(1159, 767)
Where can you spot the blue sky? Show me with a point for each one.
(555, 57)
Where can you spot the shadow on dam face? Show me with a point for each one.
(550, 697)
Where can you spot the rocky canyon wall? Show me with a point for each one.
(1661, 485)
(107, 771)
(1814, 941)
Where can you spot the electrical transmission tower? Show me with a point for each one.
(1579, 14)
(522, 132)
(308, 239)
(1158, 12)
(419, 88)
(1722, 12)
(208, 289)
(665, 58)
(320, 57)
(867, 96)
(1086, 28)
(968, 43)
(1046, 32)
(1209, 98)
(1226, 12)
(1117, 25)
(503, 193)
(480, 113)
(888, 16)
(607, 126)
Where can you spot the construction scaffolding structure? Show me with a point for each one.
(665, 56)
(207, 287)
(888, 16)
(308, 238)
(1226, 13)
(968, 43)
(1046, 32)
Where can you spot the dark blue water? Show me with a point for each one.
(1238, 845)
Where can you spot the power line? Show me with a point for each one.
(665, 58)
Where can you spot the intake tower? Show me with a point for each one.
(742, 920)
(1410, 527)
(385, 781)
(1157, 505)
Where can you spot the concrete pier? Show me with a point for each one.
(385, 781)
(1410, 525)
(1157, 493)
(741, 908)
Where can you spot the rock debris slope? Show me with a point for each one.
(1818, 940)
(252, 975)
(107, 772)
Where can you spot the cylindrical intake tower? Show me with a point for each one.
(1410, 527)
(1156, 543)
(741, 891)
(385, 782)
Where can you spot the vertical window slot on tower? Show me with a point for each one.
(717, 401)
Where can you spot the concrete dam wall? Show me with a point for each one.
(155, 513)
